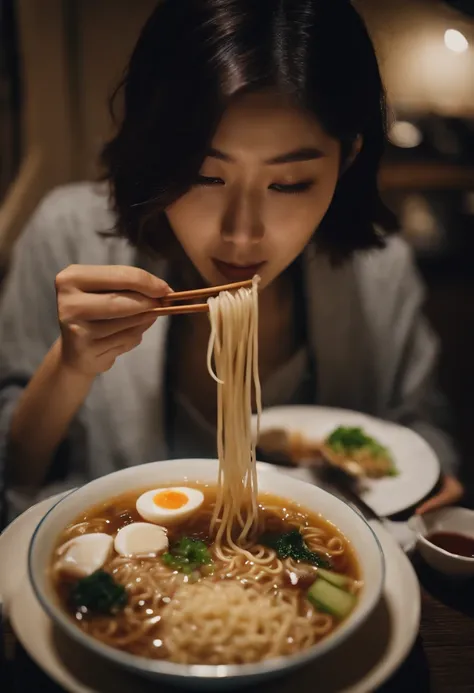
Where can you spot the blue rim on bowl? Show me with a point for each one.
(174, 671)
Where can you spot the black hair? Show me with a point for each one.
(193, 56)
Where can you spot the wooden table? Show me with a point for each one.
(442, 660)
(447, 631)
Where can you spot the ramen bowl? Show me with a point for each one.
(206, 677)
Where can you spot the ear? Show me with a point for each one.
(355, 151)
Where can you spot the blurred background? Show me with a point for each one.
(59, 60)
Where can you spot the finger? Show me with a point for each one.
(95, 278)
(83, 307)
(451, 492)
(123, 348)
(433, 503)
(100, 329)
(120, 342)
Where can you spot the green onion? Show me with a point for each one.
(188, 555)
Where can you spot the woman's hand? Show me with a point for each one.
(103, 312)
(450, 493)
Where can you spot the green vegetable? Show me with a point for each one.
(342, 581)
(332, 599)
(98, 593)
(291, 545)
(346, 440)
(188, 555)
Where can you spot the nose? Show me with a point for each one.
(242, 221)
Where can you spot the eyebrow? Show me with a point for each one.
(296, 155)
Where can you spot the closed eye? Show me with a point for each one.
(292, 188)
(209, 180)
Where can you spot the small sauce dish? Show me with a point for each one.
(445, 539)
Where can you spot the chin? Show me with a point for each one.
(211, 277)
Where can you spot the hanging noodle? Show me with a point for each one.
(233, 345)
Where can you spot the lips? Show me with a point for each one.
(237, 273)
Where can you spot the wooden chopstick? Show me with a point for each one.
(178, 310)
(166, 309)
(201, 293)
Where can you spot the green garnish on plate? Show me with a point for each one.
(349, 440)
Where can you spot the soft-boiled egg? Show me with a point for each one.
(169, 505)
(141, 539)
(83, 555)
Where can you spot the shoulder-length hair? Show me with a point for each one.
(193, 56)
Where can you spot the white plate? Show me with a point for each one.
(416, 462)
(370, 656)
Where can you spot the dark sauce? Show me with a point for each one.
(457, 544)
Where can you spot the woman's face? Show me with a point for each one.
(262, 191)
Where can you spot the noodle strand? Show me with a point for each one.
(233, 346)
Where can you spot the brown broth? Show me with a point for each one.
(121, 511)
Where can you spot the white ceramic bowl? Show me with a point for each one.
(458, 520)
(350, 523)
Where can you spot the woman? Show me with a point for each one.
(250, 141)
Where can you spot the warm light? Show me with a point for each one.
(420, 224)
(455, 41)
(405, 135)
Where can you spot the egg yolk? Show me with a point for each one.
(170, 500)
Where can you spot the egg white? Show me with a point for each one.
(83, 555)
(151, 512)
(141, 539)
